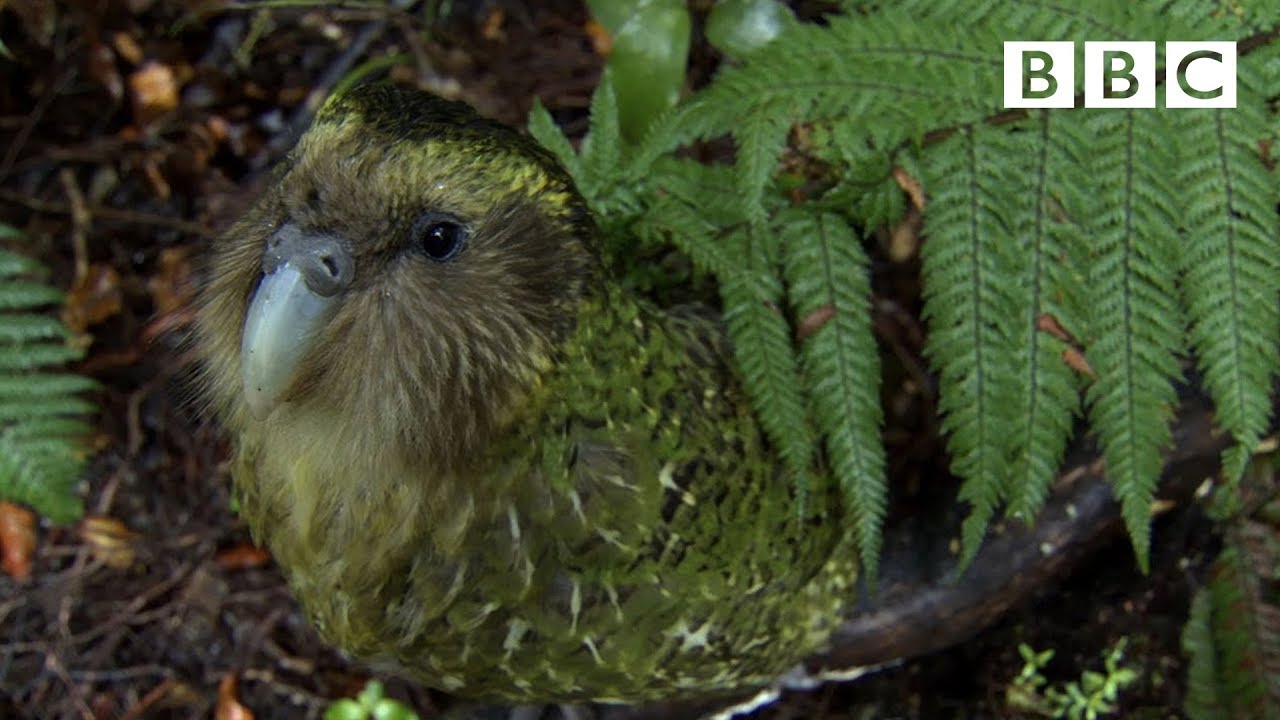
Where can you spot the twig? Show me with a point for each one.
(117, 674)
(128, 615)
(81, 220)
(53, 664)
(294, 694)
(131, 217)
(151, 698)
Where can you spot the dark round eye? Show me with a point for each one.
(440, 238)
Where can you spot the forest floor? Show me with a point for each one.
(130, 132)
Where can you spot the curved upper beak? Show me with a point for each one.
(303, 279)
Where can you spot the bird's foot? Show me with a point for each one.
(797, 678)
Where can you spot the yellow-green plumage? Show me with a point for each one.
(499, 473)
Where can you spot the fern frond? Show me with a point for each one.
(762, 346)
(1215, 19)
(1203, 701)
(1233, 634)
(598, 168)
(671, 219)
(30, 328)
(971, 312)
(41, 457)
(1050, 266)
(707, 189)
(35, 356)
(550, 136)
(761, 136)
(839, 71)
(1039, 19)
(692, 205)
(675, 127)
(1064, 231)
(1231, 267)
(1137, 325)
(826, 271)
(19, 294)
(602, 146)
(865, 189)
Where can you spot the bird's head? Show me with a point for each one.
(410, 269)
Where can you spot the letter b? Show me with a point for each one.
(1039, 74)
(1120, 74)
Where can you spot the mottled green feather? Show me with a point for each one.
(503, 475)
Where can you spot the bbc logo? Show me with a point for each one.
(1120, 75)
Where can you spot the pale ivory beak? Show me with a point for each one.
(299, 293)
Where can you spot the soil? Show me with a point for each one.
(130, 131)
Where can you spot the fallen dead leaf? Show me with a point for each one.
(127, 47)
(218, 128)
(153, 88)
(93, 298)
(242, 557)
(17, 540)
(229, 708)
(110, 541)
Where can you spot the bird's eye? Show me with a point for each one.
(441, 238)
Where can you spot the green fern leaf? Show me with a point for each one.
(1137, 325)
(671, 219)
(761, 138)
(1203, 701)
(970, 310)
(30, 328)
(1231, 267)
(706, 189)
(50, 407)
(31, 357)
(677, 126)
(548, 134)
(1039, 19)
(866, 188)
(1028, 223)
(826, 271)
(838, 71)
(1233, 633)
(1049, 264)
(602, 146)
(18, 294)
(765, 354)
(41, 457)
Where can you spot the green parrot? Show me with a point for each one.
(481, 462)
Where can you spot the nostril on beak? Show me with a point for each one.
(331, 265)
(324, 261)
(326, 265)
